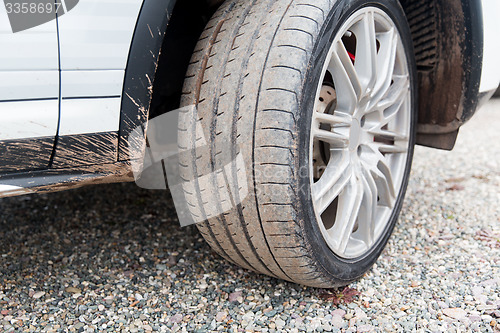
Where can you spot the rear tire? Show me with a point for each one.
(254, 79)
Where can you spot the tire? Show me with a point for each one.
(255, 77)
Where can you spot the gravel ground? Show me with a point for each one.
(113, 258)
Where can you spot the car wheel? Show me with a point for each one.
(302, 140)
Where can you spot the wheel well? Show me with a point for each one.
(447, 38)
(422, 18)
(189, 18)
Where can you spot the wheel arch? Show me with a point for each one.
(141, 68)
(448, 44)
(151, 70)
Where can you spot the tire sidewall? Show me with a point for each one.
(340, 268)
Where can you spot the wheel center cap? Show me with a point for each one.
(355, 135)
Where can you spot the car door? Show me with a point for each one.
(95, 38)
(29, 94)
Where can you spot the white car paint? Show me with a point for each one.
(97, 83)
(35, 84)
(95, 39)
(28, 50)
(490, 77)
(81, 112)
(28, 119)
(29, 70)
(89, 115)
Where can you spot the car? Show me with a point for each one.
(294, 121)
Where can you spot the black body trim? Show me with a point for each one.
(30, 99)
(141, 68)
(91, 97)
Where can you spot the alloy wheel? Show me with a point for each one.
(360, 133)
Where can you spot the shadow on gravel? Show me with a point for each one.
(97, 230)
(115, 227)
(111, 240)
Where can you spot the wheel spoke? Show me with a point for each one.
(388, 135)
(347, 213)
(391, 104)
(335, 140)
(391, 149)
(385, 64)
(385, 184)
(346, 81)
(333, 119)
(368, 213)
(396, 92)
(395, 98)
(332, 182)
(366, 52)
(348, 67)
(378, 165)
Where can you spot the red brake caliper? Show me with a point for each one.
(351, 56)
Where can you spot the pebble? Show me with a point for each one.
(176, 318)
(235, 296)
(338, 312)
(38, 294)
(221, 316)
(112, 258)
(455, 313)
(337, 321)
(280, 323)
(365, 328)
(73, 290)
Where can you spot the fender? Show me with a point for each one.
(141, 68)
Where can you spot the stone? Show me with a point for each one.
(38, 295)
(455, 313)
